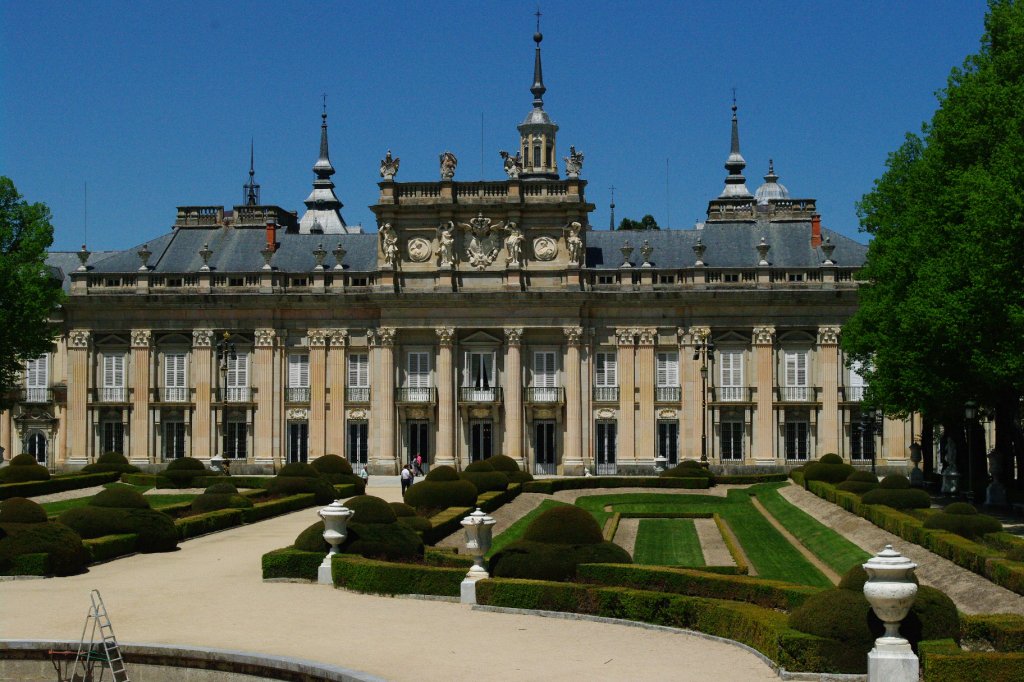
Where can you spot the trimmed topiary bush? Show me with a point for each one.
(688, 469)
(407, 514)
(22, 460)
(225, 488)
(402, 509)
(122, 510)
(370, 509)
(486, 481)
(911, 498)
(442, 488)
(964, 520)
(22, 469)
(323, 491)
(510, 468)
(442, 473)
(564, 525)
(92, 522)
(119, 497)
(831, 458)
(859, 482)
(382, 538)
(156, 530)
(895, 482)
(63, 546)
(220, 496)
(298, 469)
(830, 469)
(337, 471)
(111, 461)
(183, 470)
(21, 510)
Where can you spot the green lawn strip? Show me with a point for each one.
(140, 489)
(832, 548)
(668, 542)
(516, 530)
(54, 509)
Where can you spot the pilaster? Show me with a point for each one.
(263, 383)
(572, 462)
(828, 421)
(764, 433)
(514, 397)
(140, 443)
(382, 450)
(317, 339)
(6, 441)
(646, 380)
(336, 378)
(446, 398)
(201, 366)
(626, 350)
(692, 398)
(78, 394)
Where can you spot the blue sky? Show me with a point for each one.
(153, 104)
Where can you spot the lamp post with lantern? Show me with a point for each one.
(704, 350)
(970, 414)
(225, 350)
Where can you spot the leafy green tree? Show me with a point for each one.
(646, 223)
(29, 294)
(941, 314)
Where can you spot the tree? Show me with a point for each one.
(29, 294)
(941, 313)
(646, 223)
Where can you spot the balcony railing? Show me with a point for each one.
(606, 468)
(794, 394)
(855, 393)
(36, 395)
(111, 394)
(667, 394)
(732, 394)
(545, 468)
(479, 395)
(296, 394)
(606, 394)
(544, 394)
(173, 394)
(415, 395)
(234, 394)
(357, 394)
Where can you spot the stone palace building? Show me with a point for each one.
(481, 318)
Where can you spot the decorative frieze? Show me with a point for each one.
(513, 335)
(445, 336)
(78, 338)
(317, 338)
(265, 338)
(764, 336)
(828, 336)
(141, 338)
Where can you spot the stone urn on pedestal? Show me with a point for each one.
(336, 517)
(890, 590)
(479, 528)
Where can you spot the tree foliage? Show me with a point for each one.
(646, 223)
(29, 295)
(941, 315)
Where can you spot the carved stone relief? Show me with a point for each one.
(357, 415)
(78, 338)
(202, 338)
(445, 335)
(606, 414)
(265, 338)
(317, 338)
(419, 250)
(545, 248)
(480, 412)
(141, 338)
(297, 414)
(513, 335)
(828, 336)
(667, 414)
(764, 336)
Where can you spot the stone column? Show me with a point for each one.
(317, 392)
(337, 377)
(572, 462)
(383, 449)
(445, 397)
(200, 369)
(692, 398)
(514, 396)
(6, 440)
(263, 383)
(645, 428)
(140, 447)
(78, 394)
(764, 417)
(828, 420)
(626, 431)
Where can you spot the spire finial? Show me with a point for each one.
(735, 183)
(538, 88)
(251, 190)
(611, 219)
(323, 167)
(324, 114)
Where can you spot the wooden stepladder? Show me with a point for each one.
(99, 651)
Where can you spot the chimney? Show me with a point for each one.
(815, 230)
(272, 235)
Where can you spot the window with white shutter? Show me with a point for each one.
(796, 376)
(606, 377)
(358, 390)
(479, 376)
(298, 377)
(856, 382)
(238, 378)
(730, 382)
(113, 378)
(545, 376)
(667, 376)
(175, 383)
(417, 379)
(37, 380)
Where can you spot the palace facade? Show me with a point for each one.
(481, 318)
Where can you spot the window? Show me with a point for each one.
(546, 461)
(36, 446)
(796, 440)
(606, 377)
(173, 439)
(604, 447)
(37, 380)
(731, 277)
(300, 282)
(480, 440)
(862, 440)
(796, 376)
(298, 441)
(605, 279)
(732, 440)
(795, 277)
(667, 370)
(545, 377)
(358, 281)
(236, 434)
(237, 378)
(298, 379)
(358, 445)
(668, 441)
(548, 152)
(419, 440)
(666, 279)
(417, 379)
(730, 381)
(175, 383)
(358, 377)
(112, 437)
(856, 382)
(113, 380)
(479, 378)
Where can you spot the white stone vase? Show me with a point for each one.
(479, 528)
(336, 517)
(890, 590)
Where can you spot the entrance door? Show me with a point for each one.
(668, 440)
(37, 447)
(358, 445)
(419, 441)
(480, 440)
(604, 449)
(544, 447)
(298, 441)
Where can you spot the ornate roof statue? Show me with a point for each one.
(448, 164)
(513, 164)
(573, 163)
(389, 166)
(389, 244)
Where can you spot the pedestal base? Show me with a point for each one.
(995, 495)
(467, 590)
(892, 663)
(323, 573)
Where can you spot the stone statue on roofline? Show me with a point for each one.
(389, 244)
(574, 243)
(514, 245)
(573, 163)
(446, 244)
(448, 164)
(513, 164)
(389, 166)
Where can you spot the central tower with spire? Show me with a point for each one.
(537, 131)
(323, 208)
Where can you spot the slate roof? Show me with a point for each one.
(63, 263)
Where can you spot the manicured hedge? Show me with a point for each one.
(289, 562)
(30, 564)
(1002, 631)
(145, 480)
(66, 553)
(732, 545)
(943, 661)
(444, 523)
(491, 500)
(201, 524)
(436, 556)
(771, 594)
(744, 479)
(111, 461)
(762, 629)
(265, 510)
(57, 484)
(238, 481)
(553, 485)
(611, 526)
(385, 577)
(111, 546)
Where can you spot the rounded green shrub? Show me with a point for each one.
(967, 524)
(182, 471)
(186, 464)
(225, 488)
(546, 561)
(119, 497)
(831, 458)
(332, 464)
(863, 477)
(407, 514)
(434, 494)
(859, 482)
(21, 510)
(370, 509)
(111, 461)
(156, 530)
(208, 502)
(298, 470)
(912, 498)
(402, 509)
(687, 469)
(501, 463)
(23, 469)
(312, 539)
(486, 481)
(442, 473)
(389, 541)
(564, 525)
(93, 522)
(322, 489)
(22, 460)
(895, 482)
(828, 471)
(478, 466)
(67, 554)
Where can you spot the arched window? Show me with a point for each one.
(549, 151)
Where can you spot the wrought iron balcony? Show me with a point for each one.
(36, 395)
(357, 394)
(415, 395)
(111, 394)
(469, 394)
(731, 394)
(234, 394)
(606, 394)
(667, 394)
(296, 394)
(855, 393)
(545, 395)
(172, 394)
(795, 394)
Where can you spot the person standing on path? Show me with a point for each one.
(406, 478)
(419, 465)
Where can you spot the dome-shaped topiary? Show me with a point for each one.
(895, 482)
(432, 494)
(21, 510)
(911, 498)
(62, 545)
(486, 481)
(963, 523)
(407, 514)
(298, 470)
(501, 463)
(442, 473)
(370, 509)
(545, 561)
(688, 469)
(94, 522)
(390, 541)
(119, 497)
(831, 458)
(208, 502)
(285, 486)
(518, 476)
(23, 469)
(829, 472)
(863, 477)
(859, 482)
(111, 461)
(22, 460)
(402, 509)
(332, 464)
(478, 466)
(564, 525)
(185, 464)
(156, 530)
(224, 488)
(960, 509)
(184, 470)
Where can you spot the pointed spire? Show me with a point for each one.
(611, 219)
(323, 168)
(538, 88)
(735, 183)
(251, 189)
(323, 206)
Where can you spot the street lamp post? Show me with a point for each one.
(870, 420)
(225, 349)
(970, 413)
(703, 350)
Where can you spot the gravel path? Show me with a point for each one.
(625, 534)
(712, 544)
(969, 591)
(68, 495)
